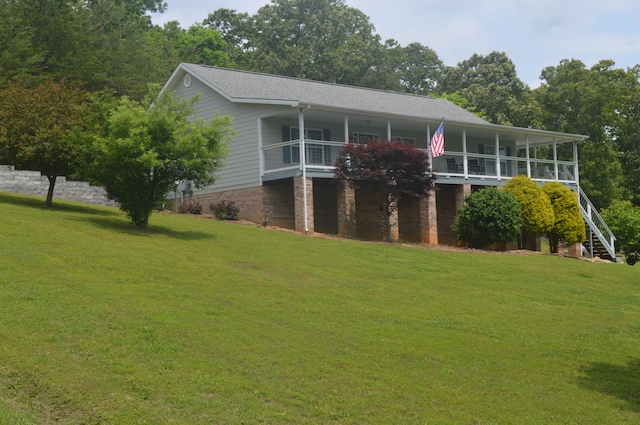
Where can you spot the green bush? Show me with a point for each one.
(224, 210)
(190, 207)
(537, 212)
(623, 218)
(489, 216)
(568, 225)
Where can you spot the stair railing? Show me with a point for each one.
(597, 224)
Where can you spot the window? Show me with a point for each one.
(365, 137)
(405, 140)
(316, 153)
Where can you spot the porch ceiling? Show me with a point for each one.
(485, 131)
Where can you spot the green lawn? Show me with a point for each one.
(196, 321)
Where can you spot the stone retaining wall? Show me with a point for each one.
(34, 183)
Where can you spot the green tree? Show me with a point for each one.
(146, 150)
(43, 128)
(623, 218)
(578, 100)
(537, 212)
(568, 223)
(389, 171)
(489, 216)
(493, 89)
(197, 44)
(18, 58)
(418, 68)
(322, 40)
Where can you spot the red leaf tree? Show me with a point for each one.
(386, 170)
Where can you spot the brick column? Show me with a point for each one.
(346, 211)
(298, 199)
(575, 250)
(461, 192)
(394, 226)
(429, 219)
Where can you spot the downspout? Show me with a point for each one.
(303, 165)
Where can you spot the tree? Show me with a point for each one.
(537, 212)
(197, 44)
(322, 40)
(418, 68)
(623, 218)
(568, 223)
(18, 59)
(146, 150)
(42, 128)
(493, 89)
(578, 100)
(489, 216)
(389, 171)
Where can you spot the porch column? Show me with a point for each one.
(575, 163)
(465, 159)
(389, 130)
(346, 129)
(498, 170)
(303, 204)
(555, 159)
(528, 157)
(346, 211)
(429, 219)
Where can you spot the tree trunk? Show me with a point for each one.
(52, 184)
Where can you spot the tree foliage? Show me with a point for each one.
(579, 100)
(492, 87)
(568, 223)
(146, 150)
(390, 170)
(537, 212)
(42, 128)
(322, 40)
(489, 216)
(623, 219)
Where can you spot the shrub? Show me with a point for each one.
(568, 224)
(224, 210)
(489, 216)
(623, 218)
(537, 212)
(190, 207)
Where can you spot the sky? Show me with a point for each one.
(534, 34)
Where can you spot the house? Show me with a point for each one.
(289, 132)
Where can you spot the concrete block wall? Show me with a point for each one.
(34, 183)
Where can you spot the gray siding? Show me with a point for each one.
(242, 169)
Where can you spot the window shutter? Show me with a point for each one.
(286, 150)
(326, 149)
(295, 154)
(326, 134)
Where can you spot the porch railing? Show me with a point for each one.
(485, 166)
(319, 155)
(597, 224)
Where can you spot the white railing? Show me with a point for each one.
(452, 164)
(597, 224)
(319, 155)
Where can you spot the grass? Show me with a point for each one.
(196, 321)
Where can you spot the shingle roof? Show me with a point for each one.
(247, 86)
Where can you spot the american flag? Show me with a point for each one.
(437, 141)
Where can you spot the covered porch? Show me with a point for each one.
(478, 154)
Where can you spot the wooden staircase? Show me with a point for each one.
(600, 239)
(595, 247)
